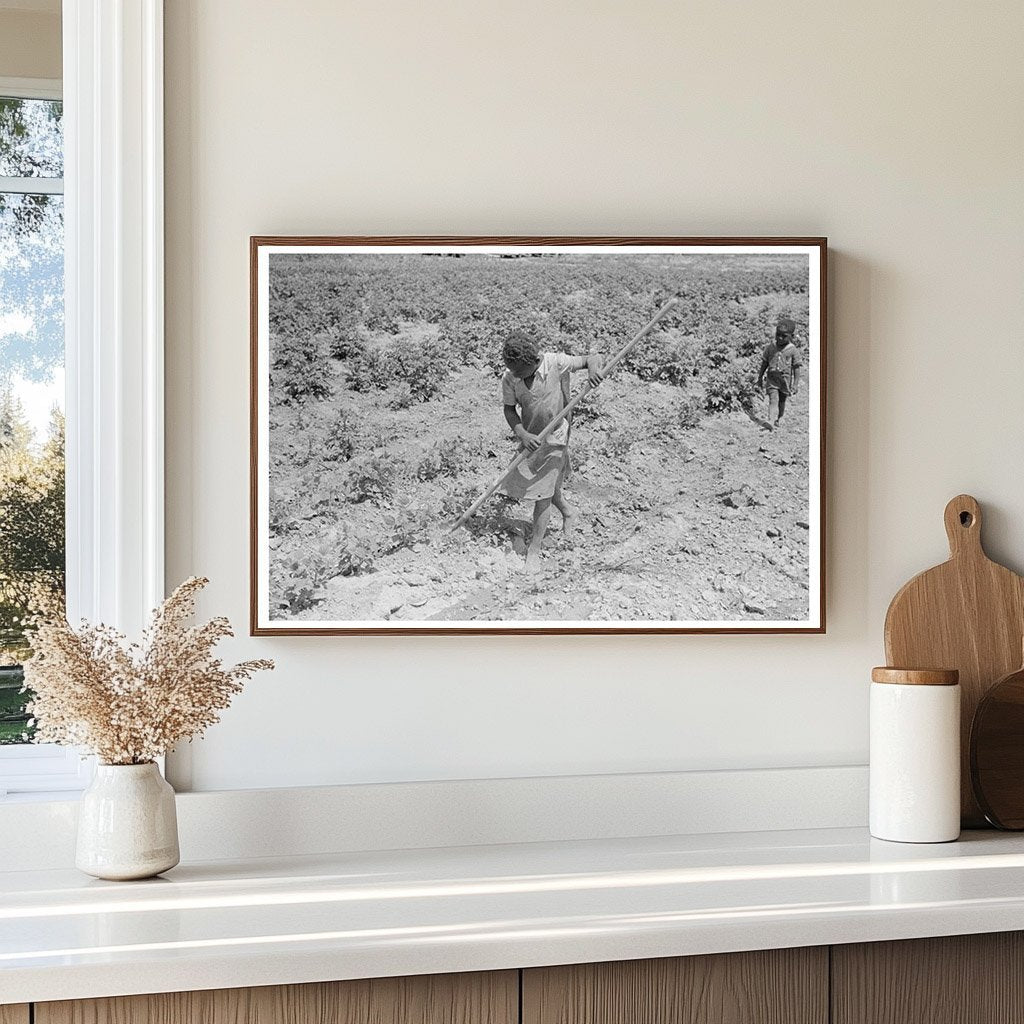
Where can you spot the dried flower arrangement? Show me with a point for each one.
(130, 703)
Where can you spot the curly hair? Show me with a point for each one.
(520, 347)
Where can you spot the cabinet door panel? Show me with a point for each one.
(960, 979)
(14, 1014)
(483, 998)
(778, 986)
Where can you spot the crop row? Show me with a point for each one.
(368, 313)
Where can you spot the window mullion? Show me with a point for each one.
(32, 186)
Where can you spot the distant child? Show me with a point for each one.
(781, 361)
(534, 390)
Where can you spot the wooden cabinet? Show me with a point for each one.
(777, 986)
(491, 998)
(967, 979)
(962, 979)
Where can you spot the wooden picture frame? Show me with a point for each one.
(365, 350)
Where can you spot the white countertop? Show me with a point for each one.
(227, 924)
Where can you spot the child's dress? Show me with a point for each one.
(541, 473)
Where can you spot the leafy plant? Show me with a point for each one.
(402, 398)
(301, 568)
(369, 477)
(407, 526)
(659, 357)
(442, 460)
(298, 367)
(682, 415)
(425, 367)
(338, 441)
(689, 412)
(729, 387)
(457, 498)
(343, 336)
(618, 442)
(370, 369)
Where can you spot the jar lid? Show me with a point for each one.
(916, 676)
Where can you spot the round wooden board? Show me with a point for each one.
(997, 752)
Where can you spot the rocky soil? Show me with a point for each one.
(684, 516)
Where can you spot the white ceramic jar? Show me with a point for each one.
(127, 823)
(915, 755)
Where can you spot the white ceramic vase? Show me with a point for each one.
(127, 825)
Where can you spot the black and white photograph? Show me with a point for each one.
(537, 435)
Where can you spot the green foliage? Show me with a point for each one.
(31, 547)
(14, 721)
(31, 144)
(31, 518)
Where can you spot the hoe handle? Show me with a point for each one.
(546, 432)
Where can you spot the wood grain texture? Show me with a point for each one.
(961, 979)
(480, 998)
(997, 752)
(967, 614)
(915, 676)
(777, 986)
(14, 1014)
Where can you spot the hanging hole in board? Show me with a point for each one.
(966, 519)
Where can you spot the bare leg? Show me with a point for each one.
(782, 407)
(568, 511)
(541, 515)
(773, 407)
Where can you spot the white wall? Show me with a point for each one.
(895, 129)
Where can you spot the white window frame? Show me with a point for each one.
(114, 264)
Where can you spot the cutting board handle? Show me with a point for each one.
(963, 526)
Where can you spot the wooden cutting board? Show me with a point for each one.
(967, 614)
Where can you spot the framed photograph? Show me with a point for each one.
(537, 435)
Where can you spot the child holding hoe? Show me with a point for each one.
(534, 390)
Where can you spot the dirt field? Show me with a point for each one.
(690, 509)
(677, 522)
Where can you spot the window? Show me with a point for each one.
(31, 382)
(32, 531)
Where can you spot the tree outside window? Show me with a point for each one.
(32, 542)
